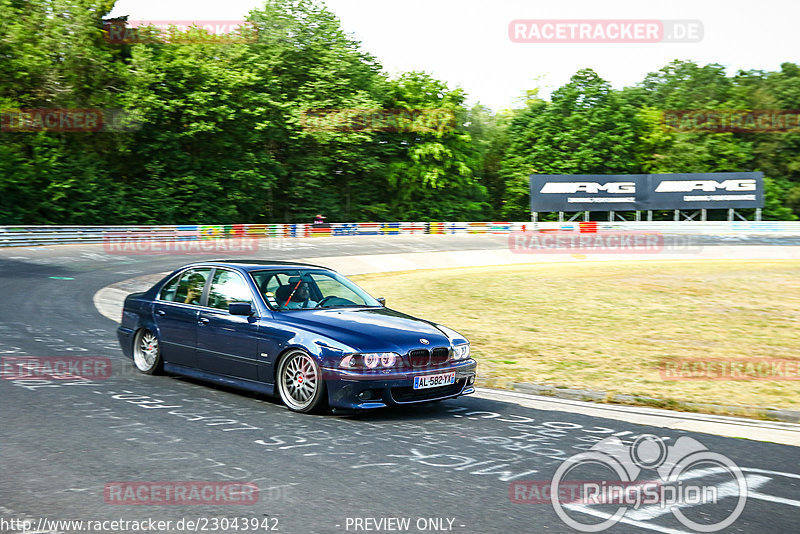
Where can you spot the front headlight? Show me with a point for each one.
(461, 352)
(370, 360)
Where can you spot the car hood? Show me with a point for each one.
(368, 329)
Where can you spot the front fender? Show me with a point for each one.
(326, 351)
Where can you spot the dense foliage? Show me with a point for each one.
(219, 133)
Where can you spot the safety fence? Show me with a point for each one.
(678, 227)
(52, 235)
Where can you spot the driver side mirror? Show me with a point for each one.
(240, 308)
(382, 301)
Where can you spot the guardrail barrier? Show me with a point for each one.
(21, 236)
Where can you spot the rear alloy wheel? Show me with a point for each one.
(146, 353)
(300, 383)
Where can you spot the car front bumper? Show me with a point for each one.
(359, 390)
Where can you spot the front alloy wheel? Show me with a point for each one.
(146, 354)
(300, 383)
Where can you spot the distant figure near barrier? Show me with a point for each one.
(320, 227)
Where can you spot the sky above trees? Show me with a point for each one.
(465, 42)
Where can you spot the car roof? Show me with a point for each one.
(257, 265)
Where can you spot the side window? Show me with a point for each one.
(269, 283)
(276, 281)
(227, 287)
(169, 289)
(190, 287)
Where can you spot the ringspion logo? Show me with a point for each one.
(705, 491)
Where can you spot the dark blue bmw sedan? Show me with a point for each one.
(298, 331)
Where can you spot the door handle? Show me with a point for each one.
(160, 312)
(202, 321)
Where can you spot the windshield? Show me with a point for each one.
(298, 289)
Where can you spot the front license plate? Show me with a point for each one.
(433, 381)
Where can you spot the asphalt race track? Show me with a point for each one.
(455, 466)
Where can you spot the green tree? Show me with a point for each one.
(199, 156)
(430, 171)
(307, 62)
(684, 85)
(489, 132)
(53, 55)
(776, 154)
(586, 128)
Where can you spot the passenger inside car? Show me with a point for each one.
(194, 289)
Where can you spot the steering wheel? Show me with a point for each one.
(326, 299)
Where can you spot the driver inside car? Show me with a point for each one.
(300, 298)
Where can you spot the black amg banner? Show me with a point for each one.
(627, 192)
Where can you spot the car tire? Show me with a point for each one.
(300, 382)
(147, 353)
